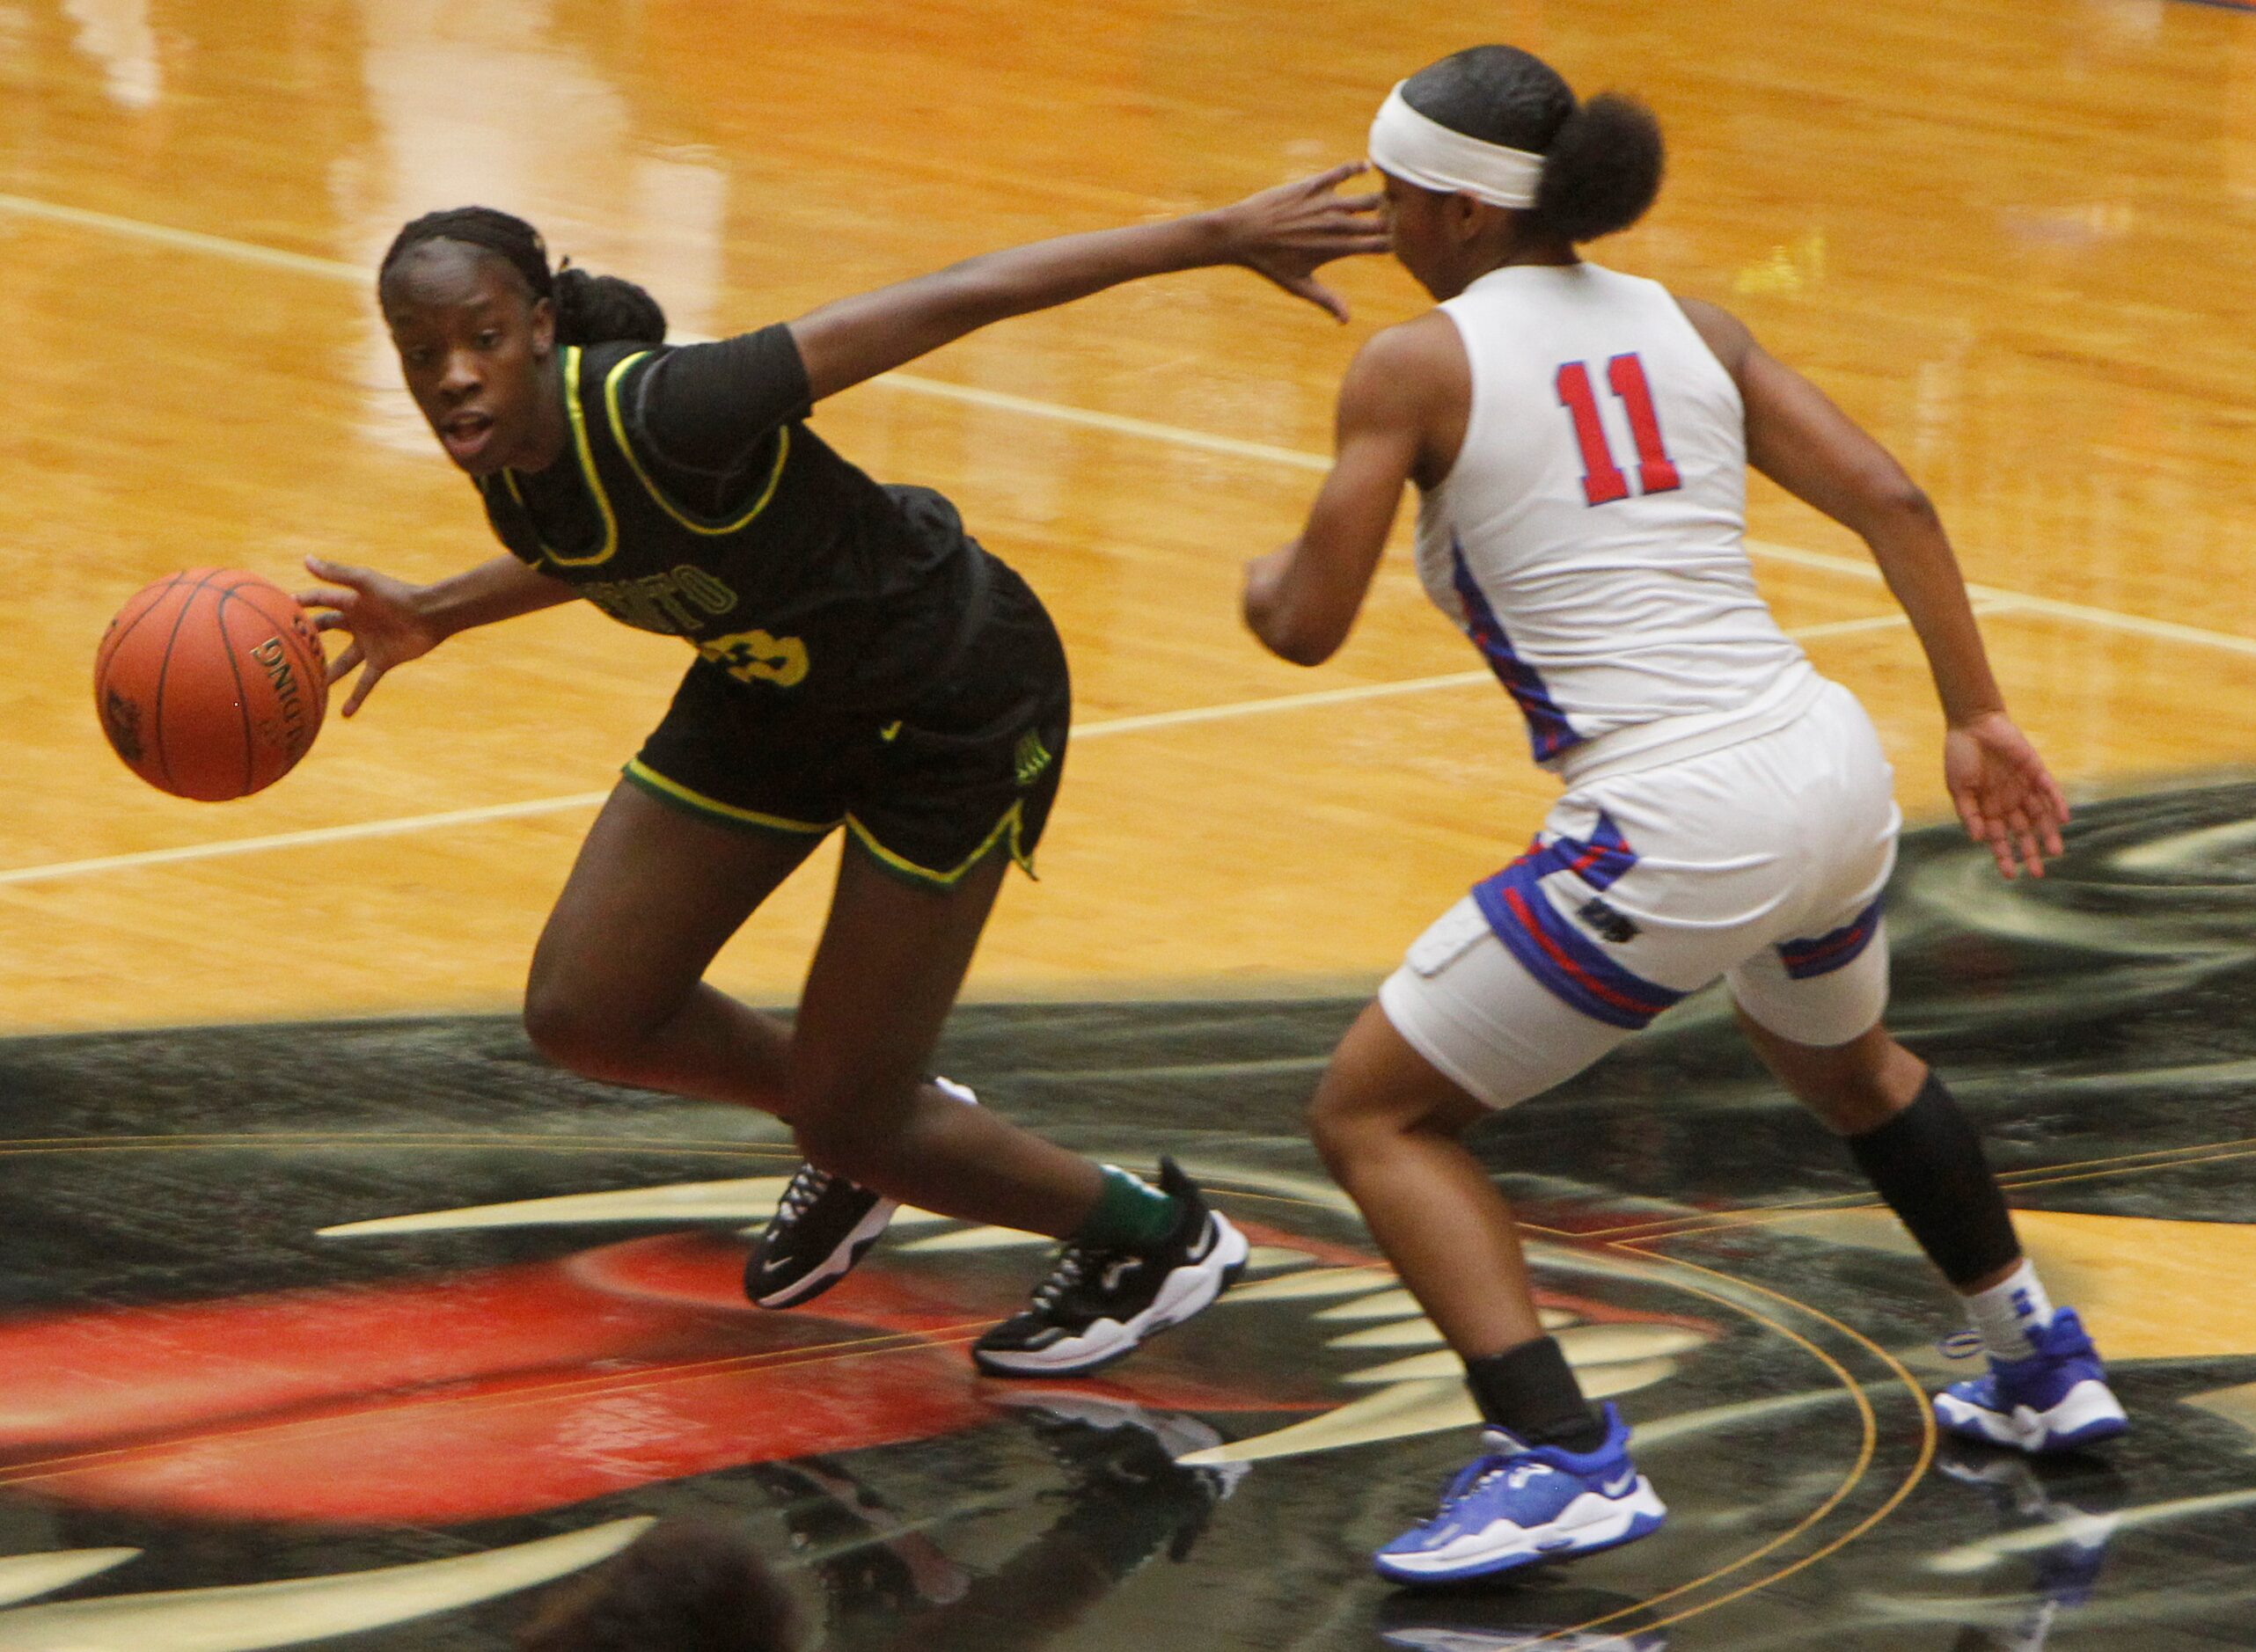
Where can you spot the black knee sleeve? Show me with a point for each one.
(1927, 1162)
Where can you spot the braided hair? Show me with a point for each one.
(589, 308)
(1602, 159)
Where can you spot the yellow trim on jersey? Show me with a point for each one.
(619, 434)
(587, 468)
(1011, 823)
(674, 792)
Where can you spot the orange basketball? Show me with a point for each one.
(210, 683)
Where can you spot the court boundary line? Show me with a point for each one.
(1702, 1223)
(1992, 600)
(401, 825)
(1858, 1471)
(1119, 424)
(1899, 1373)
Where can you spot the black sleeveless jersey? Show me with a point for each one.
(788, 569)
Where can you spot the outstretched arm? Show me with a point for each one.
(1285, 234)
(2004, 795)
(392, 622)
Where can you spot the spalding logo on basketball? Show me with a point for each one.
(211, 683)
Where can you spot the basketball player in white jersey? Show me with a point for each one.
(1579, 440)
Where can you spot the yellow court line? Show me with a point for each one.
(2133, 1170)
(1705, 1222)
(385, 1138)
(1902, 1374)
(1849, 1385)
(1866, 1450)
(704, 1147)
(1713, 1221)
(1174, 435)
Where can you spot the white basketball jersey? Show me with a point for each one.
(1588, 537)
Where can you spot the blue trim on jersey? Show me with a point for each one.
(1602, 863)
(1549, 732)
(1830, 952)
(1573, 967)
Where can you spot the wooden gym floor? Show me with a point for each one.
(2014, 241)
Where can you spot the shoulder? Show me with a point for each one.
(1402, 369)
(720, 377)
(599, 362)
(1723, 332)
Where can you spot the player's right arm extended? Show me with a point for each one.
(392, 622)
(1284, 234)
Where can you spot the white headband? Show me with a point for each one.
(1408, 145)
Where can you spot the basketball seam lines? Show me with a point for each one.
(242, 699)
(164, 670)
(118, 642)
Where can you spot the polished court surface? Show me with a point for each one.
(2013, 241)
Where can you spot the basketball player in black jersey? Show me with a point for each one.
(862, 663)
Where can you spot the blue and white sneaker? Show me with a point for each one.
(1516, 1505)
(2057, 1400)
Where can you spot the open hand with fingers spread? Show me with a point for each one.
(379, 613)
(2005, 794)
(1290, 232)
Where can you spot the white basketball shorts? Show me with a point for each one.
(1761, 864)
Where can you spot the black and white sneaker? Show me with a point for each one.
(1098, 1305)
(821, 1228)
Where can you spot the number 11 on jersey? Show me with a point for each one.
(1602, 480)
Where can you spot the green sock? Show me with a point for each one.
(1130, 1215)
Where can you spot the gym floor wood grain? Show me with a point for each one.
(2014, 242)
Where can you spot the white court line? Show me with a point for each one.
(1174, 435)
(1988, 599)
(1998, 599)
(402, 824)
(336, 269)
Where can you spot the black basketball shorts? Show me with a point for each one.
(971, 766)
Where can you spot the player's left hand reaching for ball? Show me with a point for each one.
(1290, 232)
(379, 613)
(2005, 796)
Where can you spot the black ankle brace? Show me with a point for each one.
(1530, 1392)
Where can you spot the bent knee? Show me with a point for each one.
(578, 1030)
(1346, 1120)
(1333, 1122)
(1862, 1087)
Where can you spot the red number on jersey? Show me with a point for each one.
(1602, 480)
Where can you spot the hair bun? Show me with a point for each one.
(1602, 170)
(604, 310)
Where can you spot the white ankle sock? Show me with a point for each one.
(955, 1091)
(2003, 1315)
